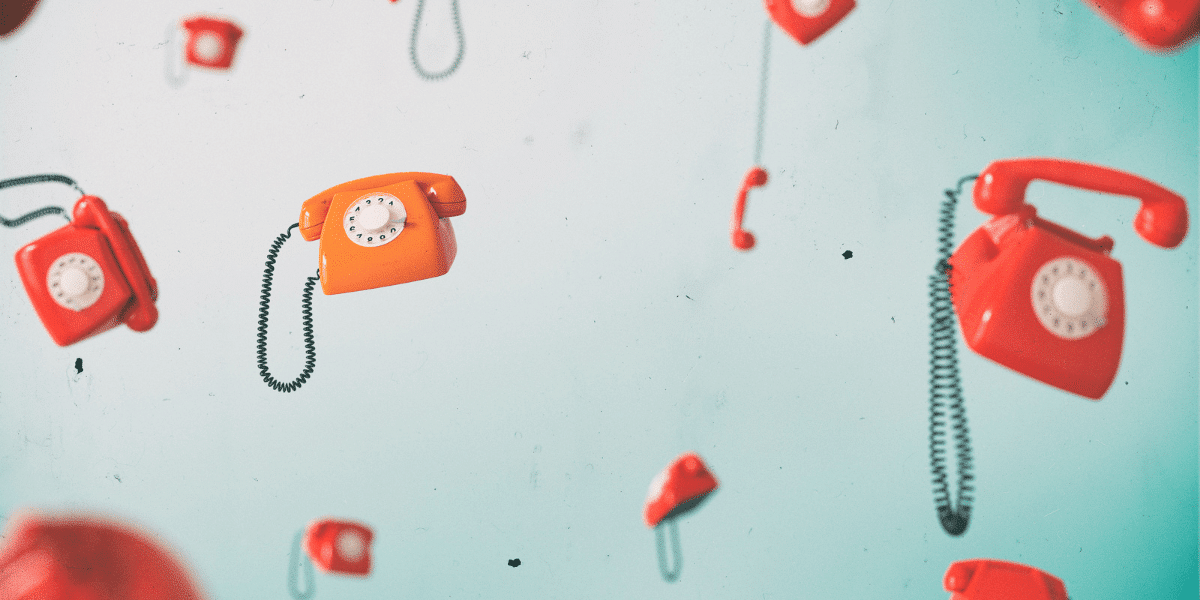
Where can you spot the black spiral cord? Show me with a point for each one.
(41, 212)
(945, 384)
(310, 348)
(412, 46)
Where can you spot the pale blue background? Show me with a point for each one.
(597, 322)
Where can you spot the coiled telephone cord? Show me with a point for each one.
(945, 383)
(412, 46)
(41, 212)
(310, 348)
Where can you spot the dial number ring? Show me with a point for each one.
(374, 220)
(75, 281)
(1069, 298)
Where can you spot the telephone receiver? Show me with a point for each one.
(807, 20)
(1158, 25)
(85, 558)
(211, 41)
(742, 239)
(88, 276)
(342, 547)
(391, 229)
(1040, 298)
(987, 579)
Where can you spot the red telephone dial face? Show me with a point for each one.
(1154, 24)
(339, 546)
(807, 20)
(87, 559)
(88, 276)
(211, 42)
(983, 579)
(678, 489)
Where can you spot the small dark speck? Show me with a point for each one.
(118, 478)
(893, 319)
(301, 95)
(78, 366)
(1126, 383)
(847, 254)
(687, 296)
(514, 563)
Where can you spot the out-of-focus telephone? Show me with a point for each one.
(677, 490)
(1042, 299)
(211, 41)
(1159, 25)
(342, 547)
(14, 13)
(807, 20)
(987, 579)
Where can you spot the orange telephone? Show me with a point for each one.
(1042, 299)
(394, 229)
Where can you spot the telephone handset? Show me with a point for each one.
(391, 229)
(1159, 25)
(989, 579)
(807, 20)
(1042, 299)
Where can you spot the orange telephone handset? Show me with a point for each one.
(395, 228)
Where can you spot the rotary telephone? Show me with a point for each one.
(211, 41)
(677, 490)
(338, 547)
(1159, 25)
(807, 20)
(987, 579)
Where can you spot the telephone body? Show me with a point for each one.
(807, 20)
(678, 489)
(339, 546)
(14, 13)
(1159, 25)
(211, 42)
(986, 579)
(88, 276)
(385, 230)
(78, 558)
(1042, 299)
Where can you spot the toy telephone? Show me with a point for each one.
(387, 229)
(89, 276)
(1042, 299)
(78, 558)
(340, 547)
(679, 489)
(1158, 25)
(986, 579)
(211, 42)
(807, 20)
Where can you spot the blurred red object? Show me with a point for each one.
(678, 489)
(986, 579)
(211, 41)
(13, 13)
(86, 558)
(339, 546)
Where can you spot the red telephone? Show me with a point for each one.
(1042, 299)
(89, 276)
(339, 546)
(211, 42)
(79, 558)
(1154, 24)
(678, 489)
(13, 14)
(395, 229)
(986, 579)
(807, 20)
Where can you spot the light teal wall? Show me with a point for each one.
(596, 322)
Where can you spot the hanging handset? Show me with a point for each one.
(807, 20)
(984, 579)
(1042, 299)
(1159, 25)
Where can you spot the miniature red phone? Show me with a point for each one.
(1042, 299)
(211, 42)
(78, 558)
(678, 489)
(985, 579)
(394, 229)
(13, 13)
(339, 546)
(742, 239)
(88, 276)
(807, 20)
(1157, 25)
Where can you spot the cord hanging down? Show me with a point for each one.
(945, 383)
(412, 47)
(41, 212)
(310, 348)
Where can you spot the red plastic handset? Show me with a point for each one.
(211, 42)
(85, 558)
(807, 20)
(443, 192)
(742, 239)
(1158, 25)
(678, 489)
(339, 546)
(985, 579)
(142, 314)
(1162, 220)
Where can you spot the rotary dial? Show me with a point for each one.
(1069, 298)
(75, 281)
(374, 220)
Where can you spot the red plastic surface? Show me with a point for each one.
(129, 289)
(1158, 25)
(806, 25)
(678, 489)
(208, 30)
(339, 546)
(83, 558)
(742, 239)
(14, 13)
(985, 579)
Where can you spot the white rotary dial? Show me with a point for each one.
(811, 8)
(75, 281)
(1069, 298)
(374, 220)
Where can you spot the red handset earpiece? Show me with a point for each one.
(742, 239)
